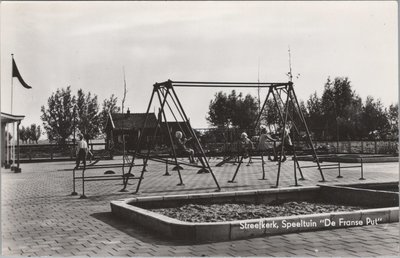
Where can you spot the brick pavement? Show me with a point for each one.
(40, 218)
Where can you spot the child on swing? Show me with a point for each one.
(245, 144)
(288, 145)
(181, 142)
(265, 144)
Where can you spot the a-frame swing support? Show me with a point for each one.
(166, 90)
(291, 98)
(275, 91)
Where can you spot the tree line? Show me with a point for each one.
(338, 114)
(30, 134)
(67, 114)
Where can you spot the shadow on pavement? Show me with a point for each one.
(138, 232)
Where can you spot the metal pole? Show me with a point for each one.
(166, 169)
(291, 117)
(296, 162)
(295, 174)
(262, 165)
(277, 106)
(6, 143)
(237, 170)
(83, 196)
(197, 140)
(263, 106)
(170, 109)
(339, 176)
(18, 170)
(139, 140)
(191, 131)
(74, 126)
(73, 183)
(169, 133)
(298, 166)
(12, 86)
(13, 148)
(11, 151)
(307, 132)
(362, 169)
(145, 160)
(283, 140)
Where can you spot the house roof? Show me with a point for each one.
(9, 118)
(178, 126)
(131, 121)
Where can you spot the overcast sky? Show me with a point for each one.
(87, 44)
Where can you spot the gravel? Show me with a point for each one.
(241, 211)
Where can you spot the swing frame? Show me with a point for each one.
(166, 89)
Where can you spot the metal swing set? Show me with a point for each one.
(288, 111)
(167, 97)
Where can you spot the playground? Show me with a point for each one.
(41, 218)
(58, 209)
(180, 129)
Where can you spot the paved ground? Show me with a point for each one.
(40, 218)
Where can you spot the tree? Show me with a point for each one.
(315, 115)
(245, 111)
(34, 133)
(340, 108)
(393, 117)
(23, 134)
(375, 119)
(233, 110)
(109, 106)
(219, 113)
(89, 119)
(58, 116)
(270, 113)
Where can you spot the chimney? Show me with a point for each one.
(128, 111)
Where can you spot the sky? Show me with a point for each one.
(88, 45)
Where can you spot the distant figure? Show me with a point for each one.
(89, 155)
(287, 142)
(81, 152)
(266, 143)
(181, 142)
(245, 144)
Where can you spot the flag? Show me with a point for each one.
(15, 73)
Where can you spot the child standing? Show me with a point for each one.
(81, 152)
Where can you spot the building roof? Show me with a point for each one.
(129, 121)
(9, 118)
(178, 126)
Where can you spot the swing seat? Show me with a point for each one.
(203, 171)
(177, 167)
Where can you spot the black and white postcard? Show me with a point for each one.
(199, 128)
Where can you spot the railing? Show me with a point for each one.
(33, 152)
(366, 147)
(40, 152)
(363, 147)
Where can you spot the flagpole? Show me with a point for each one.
(7, 145)
(12, 86)
(12, 104)
(258, 89)
(123, 118)
(9, 148)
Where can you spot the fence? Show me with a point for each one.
(367, 147)
(41, 152)
(50, 152)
